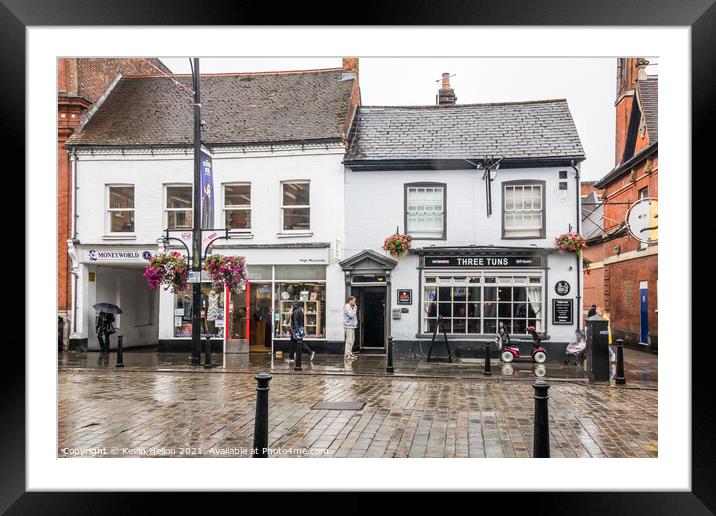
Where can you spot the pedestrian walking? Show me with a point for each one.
(605, 315)
(350, 323)
(99, 324)
(298, 331)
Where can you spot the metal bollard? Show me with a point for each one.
(207, 355)
(488, 368)
(298, 351)
(261, 416)
(620, 380)
(389, 368)
(120, 352)
(541, 429)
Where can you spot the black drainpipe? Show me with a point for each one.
(579, 264)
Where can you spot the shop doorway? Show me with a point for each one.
(259, 302)
(371, 318)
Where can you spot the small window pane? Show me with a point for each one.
(179, 197)
(238, 219)
(122, 221)
(444, 309)
(237, 195)
(121, 197)
(490, 326)
(474, 294)
(459, 294)
(444, 294)
(296, 218)
(473, 326)
(473, 310)
(179, 219)
(490, 294)
(296, 194)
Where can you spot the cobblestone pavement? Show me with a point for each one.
(640, 368)
(159, 414)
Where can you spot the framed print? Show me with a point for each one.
(324, 131)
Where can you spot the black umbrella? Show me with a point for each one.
(108, 308)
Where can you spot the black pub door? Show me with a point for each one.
(371, 317)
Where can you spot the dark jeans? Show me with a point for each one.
(103, 343)
(305, 347)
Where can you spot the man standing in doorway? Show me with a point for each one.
(350, 323)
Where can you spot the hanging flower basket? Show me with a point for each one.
(571, 242)
(170, 270)
(397, 245)
(229, 271)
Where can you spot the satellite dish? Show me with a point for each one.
(642, 220)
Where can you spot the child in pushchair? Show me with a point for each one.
(575, 350)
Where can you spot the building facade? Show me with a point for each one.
(483, 190)
(630, 267)
(276, 143)
(80, 84)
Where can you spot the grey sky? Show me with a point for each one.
(588, 84)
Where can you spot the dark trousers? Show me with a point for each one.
(304, 347)
(103, 342)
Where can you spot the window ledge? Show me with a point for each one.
(235, 234)
(128, 236)
(296, 234)
(482, 338)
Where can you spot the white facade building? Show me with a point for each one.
(281, 196)
(422, 170)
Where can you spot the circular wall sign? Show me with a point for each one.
(562, 288)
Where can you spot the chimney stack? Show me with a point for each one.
(446, 95)
(350, 65)
(641, 65)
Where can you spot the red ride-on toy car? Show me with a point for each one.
(510, 352)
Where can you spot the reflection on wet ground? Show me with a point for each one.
(640, 368)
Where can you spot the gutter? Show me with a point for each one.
(617, 171)
(74, 238)
(578, 193)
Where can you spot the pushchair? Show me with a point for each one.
(575, 350)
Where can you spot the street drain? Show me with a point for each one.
(339, 405)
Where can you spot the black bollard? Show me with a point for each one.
(299, 350)
(261, 416)
(207, 356)
(541, 430)
(120, 352)
(488, 369)
(390, 369)
(620, 380)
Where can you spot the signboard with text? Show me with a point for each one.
(483, 261)
(562, 311)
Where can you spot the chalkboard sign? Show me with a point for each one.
(562, 311)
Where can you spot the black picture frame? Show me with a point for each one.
(699, 15)
(409, 292)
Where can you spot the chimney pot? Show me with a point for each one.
(446, 95)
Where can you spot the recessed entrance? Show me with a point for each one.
(371, 317)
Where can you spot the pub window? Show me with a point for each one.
(178, 208)
(120, 209)
(295, 206)
(237, 206)
(425, 210)
(477, 303)
(523, 210)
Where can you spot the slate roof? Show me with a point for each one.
(237, 108)
(519, 130)
(649, 98)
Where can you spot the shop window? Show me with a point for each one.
(300, 272)
(295, 206)
(212, 312)
(477, 308)
(178, 207)
(120, 209)
(425, 210)
(523, 210)
(312, 298)
(237, 206)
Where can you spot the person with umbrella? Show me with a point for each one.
(103, 323)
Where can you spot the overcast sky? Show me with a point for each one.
(588, 84)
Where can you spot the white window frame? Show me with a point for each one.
(167, 209)
(238, 207)
(447, 278)
(109, 210)
(521, 232)
(295, 206)
(440, 234)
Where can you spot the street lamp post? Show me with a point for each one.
(196, 233)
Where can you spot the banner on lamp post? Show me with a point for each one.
(207, 191)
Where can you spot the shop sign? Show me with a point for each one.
(562, 311)
(114, 255)
(562, 288)
(405, 296)
(194, 276)
(483, 261)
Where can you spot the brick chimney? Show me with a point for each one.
(446, 95)
(350, 65)
(350, 71)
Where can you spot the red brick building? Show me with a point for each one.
(80, 85)
(630, 267)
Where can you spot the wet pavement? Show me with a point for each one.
(640, 368)
(109, 412)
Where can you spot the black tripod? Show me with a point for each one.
(441, 327)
